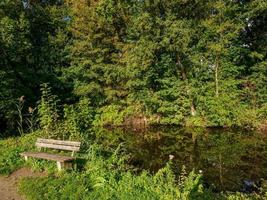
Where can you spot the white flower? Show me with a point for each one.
(171, 157)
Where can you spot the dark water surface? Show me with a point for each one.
(229, 159)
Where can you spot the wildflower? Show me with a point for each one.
(22, 99)
(171, 157)
(30, 109)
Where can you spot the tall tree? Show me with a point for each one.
(32, 51)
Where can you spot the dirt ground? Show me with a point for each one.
(8, 184)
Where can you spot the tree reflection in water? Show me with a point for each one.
(228, 158)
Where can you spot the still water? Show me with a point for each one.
(229, 159)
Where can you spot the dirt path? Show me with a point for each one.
(8, 185)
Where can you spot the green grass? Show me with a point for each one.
(10, 149)
(10, 158)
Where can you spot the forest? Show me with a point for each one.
(86, 69)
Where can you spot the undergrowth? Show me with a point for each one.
(104, 174)
(10, 149)
(109, 177)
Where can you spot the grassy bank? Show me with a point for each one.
(103, 174)
(10, 148)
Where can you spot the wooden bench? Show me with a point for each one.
(62, 161)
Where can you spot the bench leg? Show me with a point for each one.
(67, 165)
(64, 165)
(59, 165)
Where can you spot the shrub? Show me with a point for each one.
(115, 185)
(48, 109)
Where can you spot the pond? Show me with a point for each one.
(229, 159)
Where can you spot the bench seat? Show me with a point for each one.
(62, 160)
(48, 156)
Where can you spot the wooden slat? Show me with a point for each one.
(57, 146)
(60, 142)
(48, 156)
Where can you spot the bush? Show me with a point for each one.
(113, 115)
(106, 184)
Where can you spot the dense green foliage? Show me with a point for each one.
(68, 66)
(185, 62)
(105, 178)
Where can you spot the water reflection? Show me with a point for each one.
(228, 158)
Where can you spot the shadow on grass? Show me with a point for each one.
(79, 164)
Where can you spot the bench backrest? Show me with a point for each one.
(58, 144)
